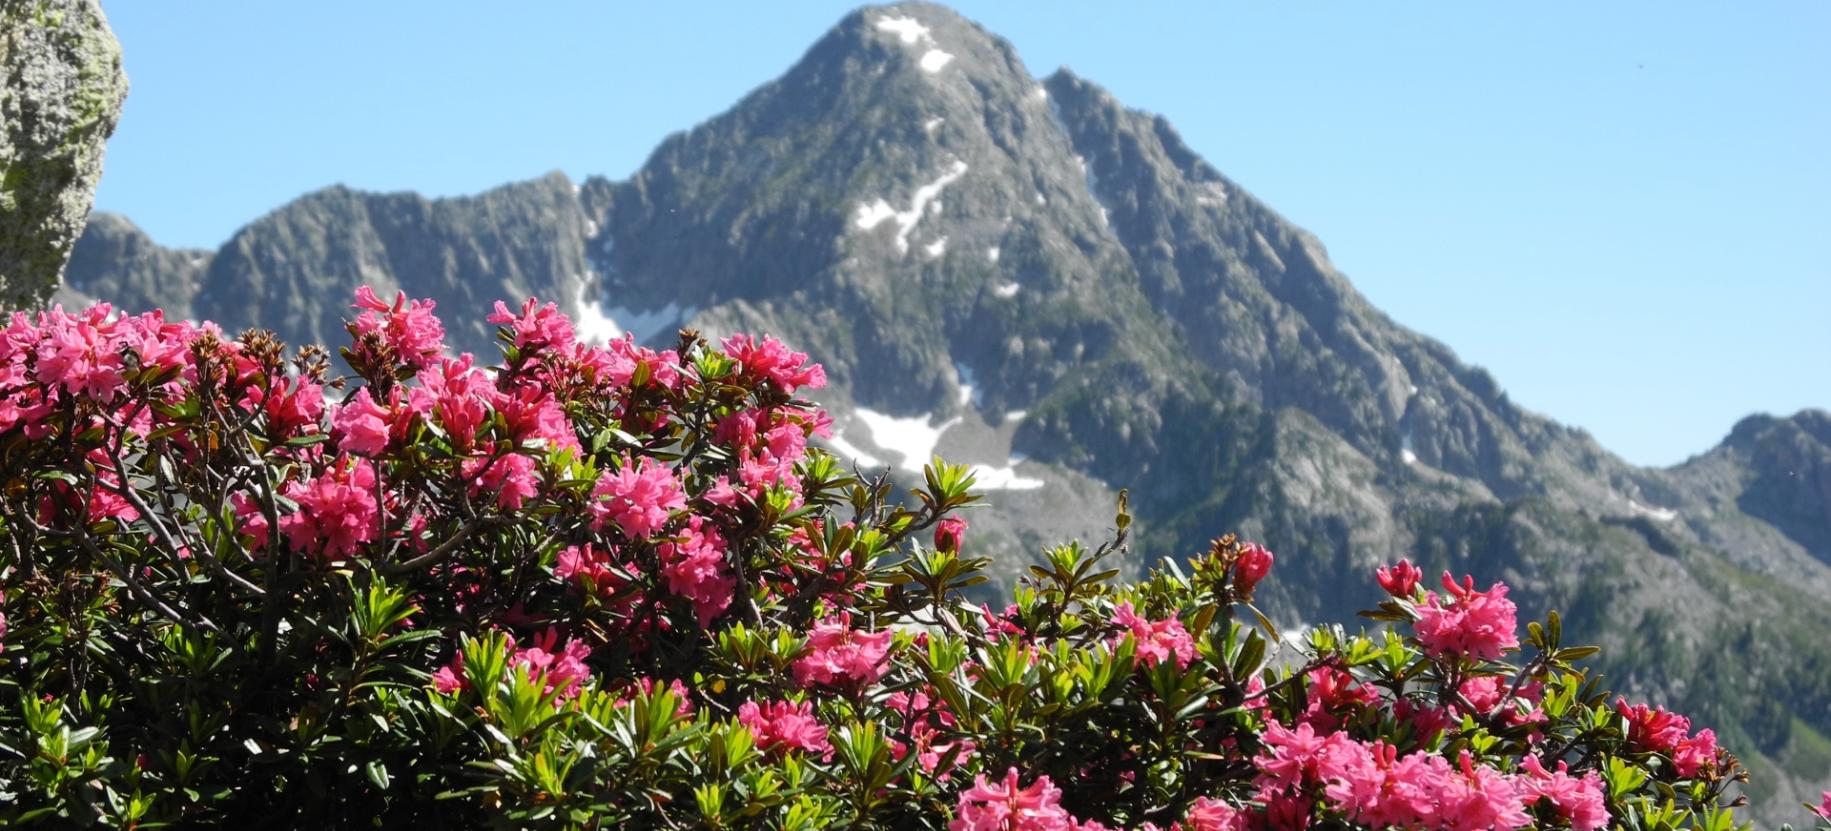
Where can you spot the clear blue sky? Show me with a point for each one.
(1619, 208)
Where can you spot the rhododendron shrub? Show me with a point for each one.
(613, 586)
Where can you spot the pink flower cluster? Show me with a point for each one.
(693, 563)
(1653, 730)
(1004, 806)
(773, 361)
(838, 655)
(559, 667)
(783, 726)
(637, 498)
(408, 331)
(337, 511)
(1374, 785)
(925, 724)
(1207, 814)
(1465, 622)
(55, 357)
(1155, 641)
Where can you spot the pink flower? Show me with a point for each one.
(925, 720)
(449, 679)
(253, 519)
(782, 726)
(588, 566)
(1401, 580)
(361, 425)
(1156, 641)
(1653, 730)
(1479, 799)
(638, 498)
(771, 360)
(624, 363)
(948, 533)
(1578, 801)
(536, 327)
(1213, 815)
(1292, 759)
(1006, 807)
(1824, 808)
(560, 669)
(1254, 563)
(511, 477)
(410, 330)
(1332, 695)
(337, 508)
(563, 670)
(79, 353)
(694, 564)
(1480, 625)
(838, 654)
(1696, 753)
(291, 409)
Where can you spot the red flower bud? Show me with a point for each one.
(1254, 563)
(948, 534)
(1400, 580)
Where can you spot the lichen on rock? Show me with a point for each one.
(61, 89)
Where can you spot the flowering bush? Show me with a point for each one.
(616, 587)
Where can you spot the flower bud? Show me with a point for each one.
(1254, 563)
(949, 533)
(1401, 580)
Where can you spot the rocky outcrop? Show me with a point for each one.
(61, 88)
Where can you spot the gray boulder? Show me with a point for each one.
(61, 88)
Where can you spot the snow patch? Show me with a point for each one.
(934, 60)
(1414, 389)
(913, 440)
(1408, 457)
(851, 451)
(909, 29)
(986, 477)
(1006, 289)
(591, 323)
(1655, 514)
(933, 124)
(596, 324)
(1040, 200)
(1016, 415)
(1039, 93)
(991, 254)
(935, 249)
(197, 262)
(1213, 193)
(969, 385)
(870, 216)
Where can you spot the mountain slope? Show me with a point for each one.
(1027, 276)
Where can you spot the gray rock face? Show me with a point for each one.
(61, 88)
(116, 260)
(1027, 276)
(294, 271)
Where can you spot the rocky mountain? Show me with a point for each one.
(1028, 276)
